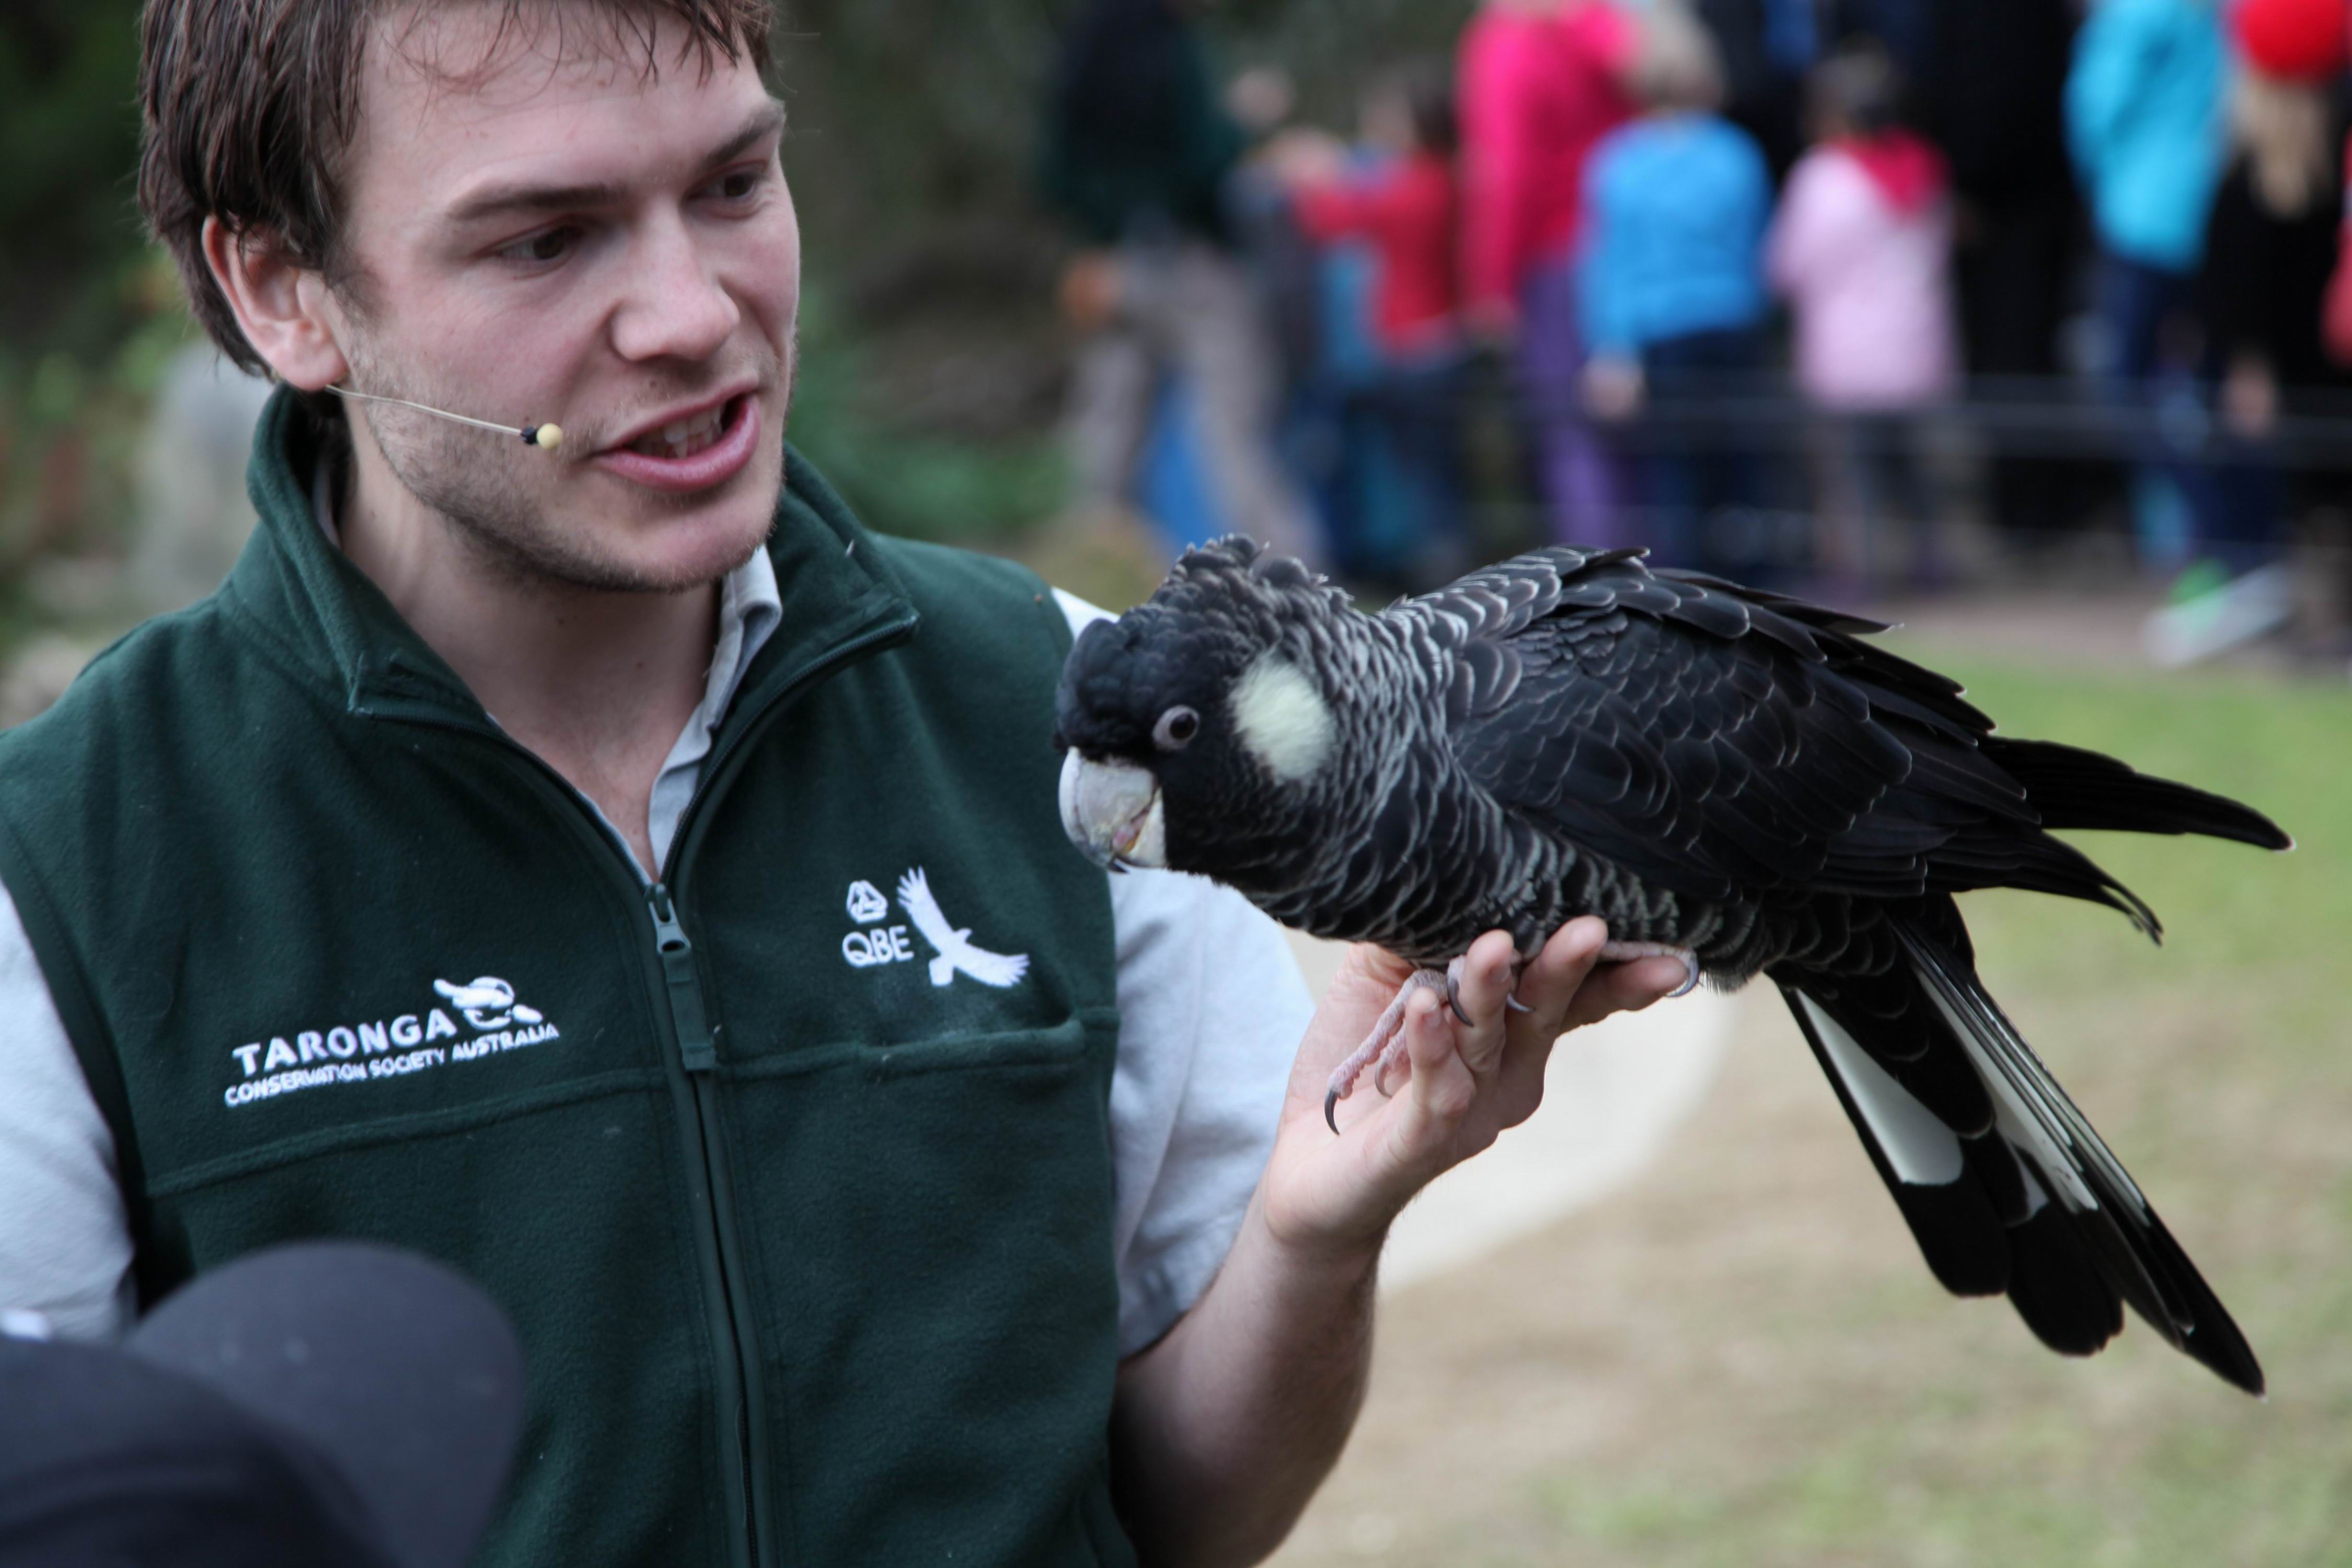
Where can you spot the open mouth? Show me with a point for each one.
(693, 454)
(686, 438)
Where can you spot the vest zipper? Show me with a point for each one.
(694, 1047)
(739, 1384)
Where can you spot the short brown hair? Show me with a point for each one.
(248, 106)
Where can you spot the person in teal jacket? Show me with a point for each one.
(2144, 107)
(2144, 120)
(603, 866)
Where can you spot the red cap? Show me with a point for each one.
(2295, 40)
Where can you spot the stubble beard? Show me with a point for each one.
(472, 482)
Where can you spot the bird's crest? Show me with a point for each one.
(1238, 567)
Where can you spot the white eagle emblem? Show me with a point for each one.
(953, 945)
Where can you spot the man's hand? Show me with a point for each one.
(1468, 1083)
(1223, 1429)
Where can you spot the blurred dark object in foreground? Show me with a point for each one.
(326, 1404)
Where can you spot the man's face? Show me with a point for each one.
(540, 230)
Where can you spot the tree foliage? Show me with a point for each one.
(68, 139)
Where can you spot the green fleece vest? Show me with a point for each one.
(794, 1170)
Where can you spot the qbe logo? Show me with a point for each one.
(951, 945)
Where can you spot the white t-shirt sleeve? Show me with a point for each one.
(64, 1240)
(1210, 1007)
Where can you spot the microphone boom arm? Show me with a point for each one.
(546, 437)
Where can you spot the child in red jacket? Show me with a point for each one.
(1405, 213)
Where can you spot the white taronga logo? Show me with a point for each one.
(953, 945)
(489, 1003)
(396, 1047)
(867, 903)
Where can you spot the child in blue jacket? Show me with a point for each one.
(1672, 296)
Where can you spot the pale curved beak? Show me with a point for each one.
(1111, 812)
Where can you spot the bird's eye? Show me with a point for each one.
(1176, 729)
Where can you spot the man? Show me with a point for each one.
(1139, 152)
(616, 873)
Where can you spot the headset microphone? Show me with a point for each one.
(546, 437)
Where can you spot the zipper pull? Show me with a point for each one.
(695, 1046)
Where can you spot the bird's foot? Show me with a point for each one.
(1383, 1050)
(1627, 952)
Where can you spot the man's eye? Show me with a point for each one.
(547, 244)
(741, 186)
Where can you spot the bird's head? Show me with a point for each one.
(1198, 723)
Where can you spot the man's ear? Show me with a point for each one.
(284, 309)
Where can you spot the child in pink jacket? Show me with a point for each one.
(1861, 249)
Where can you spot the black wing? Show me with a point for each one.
(1720, 740)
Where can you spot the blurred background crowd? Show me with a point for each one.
(1849, 297)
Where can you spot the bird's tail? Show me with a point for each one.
(2071, 787)
(2004, 1183)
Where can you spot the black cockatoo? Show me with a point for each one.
(1725, 775)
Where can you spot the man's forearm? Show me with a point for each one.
(1225, 1428)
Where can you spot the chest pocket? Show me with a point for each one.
(888, 957)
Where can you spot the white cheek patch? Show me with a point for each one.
(1282, 720)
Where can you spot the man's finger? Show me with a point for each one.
(1551, 984)
(1485, 979)
(1518, 1085)
(1442, 1090)
(1624, 988)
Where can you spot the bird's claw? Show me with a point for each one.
(1384, 1045)
(1454, 990)
(1383, 1050)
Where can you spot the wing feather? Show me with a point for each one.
(1711, 739)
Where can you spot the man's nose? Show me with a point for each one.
(675, 307)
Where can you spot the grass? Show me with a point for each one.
(1740, 1360)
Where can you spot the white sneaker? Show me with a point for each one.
(2221, 618)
